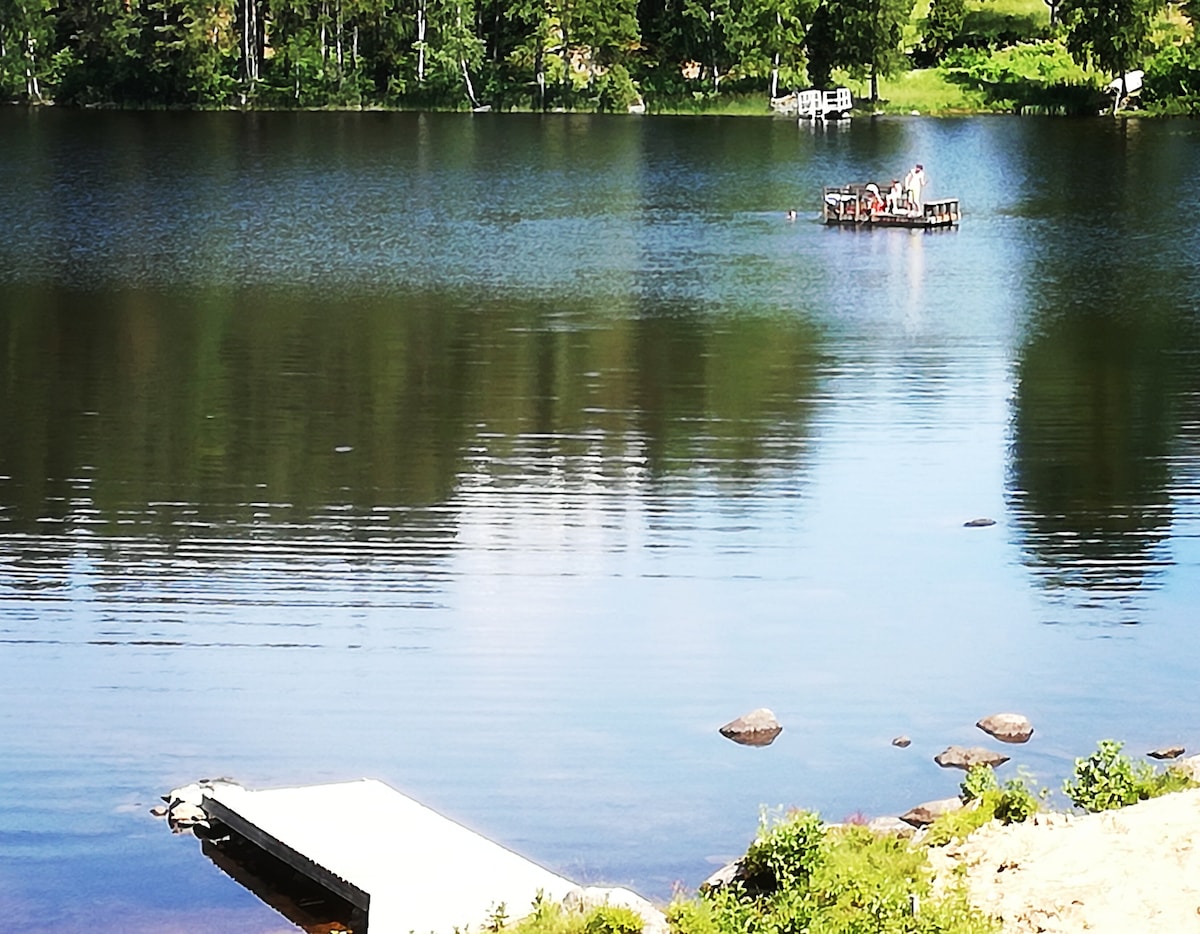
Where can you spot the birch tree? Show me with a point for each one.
(26, 46)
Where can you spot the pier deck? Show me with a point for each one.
(407, 867)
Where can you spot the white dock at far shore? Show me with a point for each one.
(407, 867)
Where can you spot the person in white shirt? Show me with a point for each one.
(914, 183)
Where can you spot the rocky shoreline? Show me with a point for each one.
(1131, 869)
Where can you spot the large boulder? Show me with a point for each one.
(1007, 727)
(757, 728)
(960, 757)
(924, 814)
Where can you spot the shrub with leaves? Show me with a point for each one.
(785, 851)
(831, 880)
(1010, 803)
(1109, 779)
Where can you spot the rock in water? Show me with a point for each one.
(1007, 727)
(902, 741)
(757, 728)
(924, 814)
(1166, 752)
(958, 757)
(978, 523)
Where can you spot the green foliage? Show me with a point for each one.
(785, 851)
(987, 800)
(1038, 77)
(1110, 35)
(980, 779)
(943, 27)
(1109, 779)
(1172, 82)
(853, 881)
(547, 917)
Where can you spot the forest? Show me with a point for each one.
(596, 55)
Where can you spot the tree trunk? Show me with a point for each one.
(775, 60)
(250, 45)
(324, 38)
(421, 26)
(462, 61)
(874, 84)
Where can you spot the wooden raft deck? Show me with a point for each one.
(846, 206)
(406, 866)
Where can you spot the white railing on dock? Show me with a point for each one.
(815, 104)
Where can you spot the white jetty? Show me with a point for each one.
(408, 868)
(815, 104)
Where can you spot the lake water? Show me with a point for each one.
(504, 458)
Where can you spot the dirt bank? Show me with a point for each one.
(1132, 870)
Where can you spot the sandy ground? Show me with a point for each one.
(1131, 871)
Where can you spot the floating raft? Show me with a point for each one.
(848, 206)
(405, 866)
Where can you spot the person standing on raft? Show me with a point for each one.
(914, 183)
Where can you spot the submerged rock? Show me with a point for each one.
(1007, 727)
(1166, 752)
(959, 757)
(924, 814)
(757, 728)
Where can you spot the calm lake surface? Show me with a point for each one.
(504, 458)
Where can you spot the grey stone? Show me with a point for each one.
(978, 523)
(924, 814)
(902, 741)
(1007, 727)
(1166, 752)
(757, 728)
(959, 757)
(184, 814)
(890, 826)
(1189, 767)
(188, 794)
(730, 872)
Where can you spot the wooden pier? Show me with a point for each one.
(850, 206)
(407, 868)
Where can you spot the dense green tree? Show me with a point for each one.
(862, 36)
(943, 26)
(1109, 35)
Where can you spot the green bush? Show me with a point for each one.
(1109, 779)
(785, 851)
(988, 800)
(832, 880)
(547, 917)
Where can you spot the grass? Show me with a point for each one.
(925, 90)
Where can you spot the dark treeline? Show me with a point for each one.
(539, 54)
